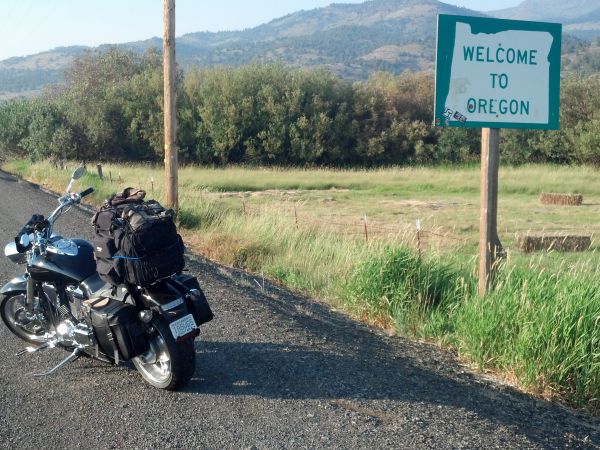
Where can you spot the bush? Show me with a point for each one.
(110, 108)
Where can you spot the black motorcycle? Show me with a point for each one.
(61, 302)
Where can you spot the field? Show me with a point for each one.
(444, 200)
(350, 238)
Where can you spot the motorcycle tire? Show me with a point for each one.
(168, 364)
(14, 315)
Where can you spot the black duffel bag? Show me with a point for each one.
(108, 232)
(136, 241)
(150, 247)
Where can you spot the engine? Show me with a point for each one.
(77, 334)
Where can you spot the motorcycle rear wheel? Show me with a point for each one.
(29, 327)
(167, 364)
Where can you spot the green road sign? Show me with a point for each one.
(494, 73)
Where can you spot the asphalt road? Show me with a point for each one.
(274, 370)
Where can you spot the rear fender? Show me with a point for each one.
(165, 300)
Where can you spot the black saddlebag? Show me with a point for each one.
(194, 298)
(120, 333)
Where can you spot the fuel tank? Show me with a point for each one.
(64, 268)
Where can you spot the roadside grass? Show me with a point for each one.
(537, 327)
(541, 326)
(540, 322)
(405, 288)
(20, 167)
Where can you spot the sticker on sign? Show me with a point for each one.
(497, 73)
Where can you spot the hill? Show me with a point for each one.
(581, 18)
(351, 40)
(557, 10)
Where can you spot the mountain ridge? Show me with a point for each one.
(581, 18)
(351, 40)
(547, 10)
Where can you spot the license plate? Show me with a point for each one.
(183, 326)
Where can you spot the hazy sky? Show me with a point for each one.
(32, 26)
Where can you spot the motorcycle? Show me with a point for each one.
(61, 302)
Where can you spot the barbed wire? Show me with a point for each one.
(360, 226)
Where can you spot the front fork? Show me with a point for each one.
(40, 303)
(30, 294)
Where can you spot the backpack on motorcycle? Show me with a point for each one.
(136, 241)
(150, 247)
(108, 228)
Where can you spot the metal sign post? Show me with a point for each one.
(492, 74)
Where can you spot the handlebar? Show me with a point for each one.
(38, 225)
(88, 191)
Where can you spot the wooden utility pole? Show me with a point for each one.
(170, 123)
(489, 243)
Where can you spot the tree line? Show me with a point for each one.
(109, 108)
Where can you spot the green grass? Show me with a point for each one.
(539, 328)
(399, 285)
(543, 327)
(21, 167)
(305, 229)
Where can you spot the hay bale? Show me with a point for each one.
(568, 243)
(549, 198)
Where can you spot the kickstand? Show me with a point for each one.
(72, 357)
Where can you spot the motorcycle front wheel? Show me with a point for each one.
(167, 364)
(31, 327)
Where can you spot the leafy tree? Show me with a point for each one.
(15, 117)
(110, 108)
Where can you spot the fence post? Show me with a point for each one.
(110, 177)
(100, 174)
(296, 215)
(152, 186)
(244, 207)
(418, 224)
(366, 231)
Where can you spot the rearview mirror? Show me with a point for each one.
(78, 173)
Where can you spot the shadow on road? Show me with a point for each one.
(339, 359)
(6, 177)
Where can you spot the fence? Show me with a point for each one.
(362, 227)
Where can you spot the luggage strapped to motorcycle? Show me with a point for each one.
(136, 241)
